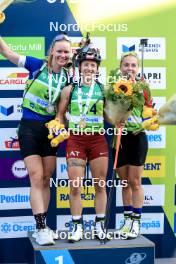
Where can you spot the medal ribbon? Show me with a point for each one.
(83, 114)
(50, 87)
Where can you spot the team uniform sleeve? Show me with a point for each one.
(31, 64)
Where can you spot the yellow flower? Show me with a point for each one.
(124, 87)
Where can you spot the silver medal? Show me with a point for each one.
(50, 108)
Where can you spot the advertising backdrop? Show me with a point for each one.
(115, 27)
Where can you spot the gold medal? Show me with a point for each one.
(82, 123)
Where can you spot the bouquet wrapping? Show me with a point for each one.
(122, 95)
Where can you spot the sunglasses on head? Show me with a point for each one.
(61, 37)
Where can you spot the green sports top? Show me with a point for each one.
(94, 116)
(36, 95)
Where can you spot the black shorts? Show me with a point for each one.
(133, 150)
(33, 139)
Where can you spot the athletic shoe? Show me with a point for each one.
(76, 234)
(126, 227)
(99, 230)
(54, 233)
(135, 230)
(44, 237)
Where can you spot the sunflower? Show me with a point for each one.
(124, 87)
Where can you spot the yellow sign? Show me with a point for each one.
(87, 197)
(154, 167)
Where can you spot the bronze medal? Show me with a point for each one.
(82, 123)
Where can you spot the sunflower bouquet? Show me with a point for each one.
(122, 95)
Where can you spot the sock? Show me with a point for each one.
(77, 219)
(40, 221)
(100, 217)
(45, 213)
(136, 215)
(128, 210)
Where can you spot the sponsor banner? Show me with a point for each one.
(154, 195)
(151, 223)
(64, 222)
(87, 197)
(13, 78)
(28, 46)
(16, 226)
(155, 49)
(155, 77)
(154, 167)
(12, 168)
(14, 198)
(158, 102)
(9, 139)
(61, 169)
(10, 108)
(157, 139)
(98, 42)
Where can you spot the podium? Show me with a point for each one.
(116, 251)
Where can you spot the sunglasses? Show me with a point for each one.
(61, 37)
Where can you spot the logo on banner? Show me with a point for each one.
(5, 228)
(13, 80)
(6, 110)
(8, 139)
(12, 143)
(136, 258)
(87, 197)
(64, 222)
(155, 48)
(19, 170)
(127, 49)
(11, 108)
(17, 226)
(33, 46)
(154, 167)
(157, 139)
(14, 198)
(87, 225)
(155, 77)
(154, 195)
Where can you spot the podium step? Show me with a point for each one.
(117, 251)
